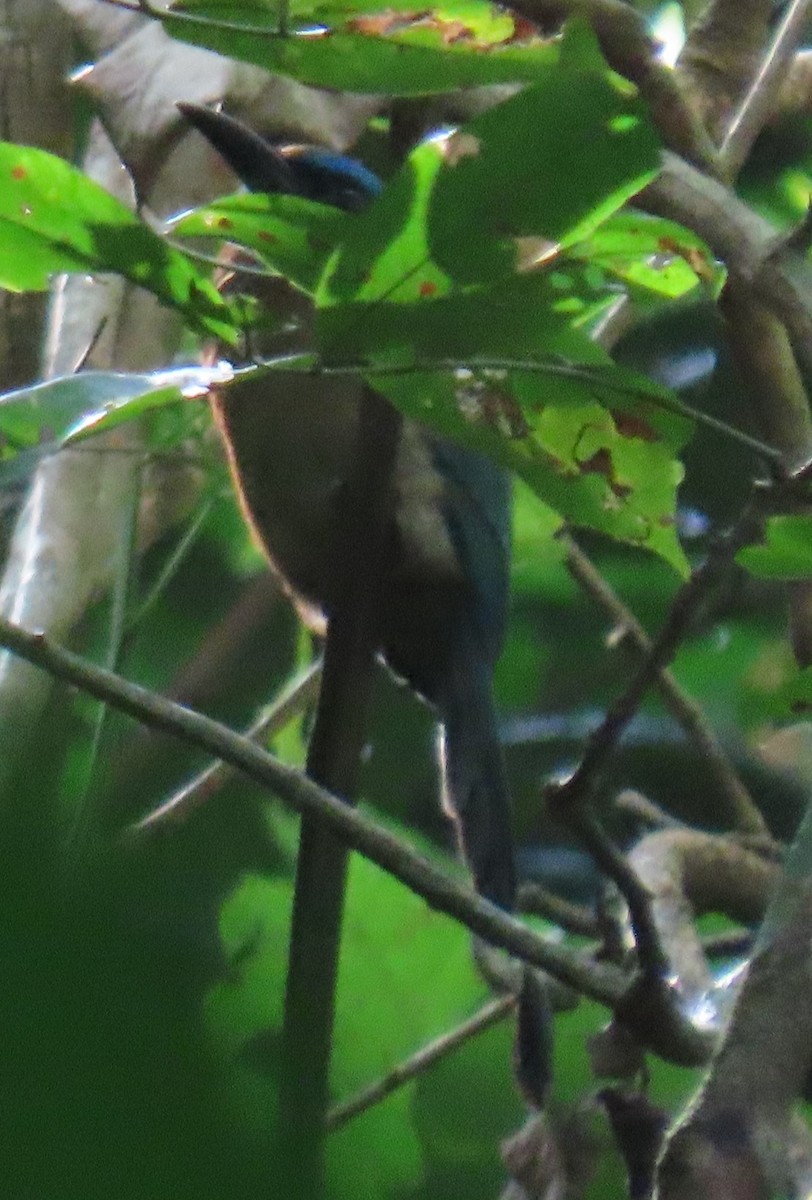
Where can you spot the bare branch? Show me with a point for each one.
(579, 786)
(760, 102)
(425, 1058)
(296, 695)
(742, 809)
(600, 981)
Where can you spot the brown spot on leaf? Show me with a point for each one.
(523, 31)
(427, 288)
(503, 413)
(18, 173)
(599, 463)
(695, 258)
(380, 24)
(632, 425)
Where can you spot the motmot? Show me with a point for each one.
(443, 599)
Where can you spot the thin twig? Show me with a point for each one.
(83, 833)
(558, 368)
(761, 99)
(602, 742)
(742, 808)
(297, 693)
(642, 809)
(571, 799)
(741, 238)
(612, 863)
(425, 1058)
(539, 901)
(173, 562)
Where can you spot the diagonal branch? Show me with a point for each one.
(742, 808)
(599, 981)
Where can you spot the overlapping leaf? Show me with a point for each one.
(292, 236)
(460, 262)
(401, 48)
(53, 218)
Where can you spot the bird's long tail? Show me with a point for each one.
(476, 795)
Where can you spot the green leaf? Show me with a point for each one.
(38, 419)
(595, 442)
(504, 192)
(131, 396)
(786, 552)
(398, 51)
(441, 269)
(512, 173)
(529, 315)
(413, 969)
(53, 218)
(292, 236)
(650, 253)
(796, 692)
(601, 460)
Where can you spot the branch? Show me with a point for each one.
(762, 98)
(721, 57)
(627, 46)
(743, 1121)
(599, 981)
(425, 1058)
(334, 760)
(751, 247)
(295, 696)
(686, 874)
(579, 786)
(742, 809)
(535, 900)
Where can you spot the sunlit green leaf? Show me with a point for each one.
(584, 451)
(292, 236)
(53, 218)
(504, 191)
(396, 50)
(650, 253)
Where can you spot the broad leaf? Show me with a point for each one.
(403, 51)
(292, 236)
(786, 552)
(53, 218)
(650, 253)
(37, 420)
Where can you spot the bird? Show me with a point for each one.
(444, 591)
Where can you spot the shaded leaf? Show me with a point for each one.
(786, 552)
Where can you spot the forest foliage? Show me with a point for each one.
(477, 293)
